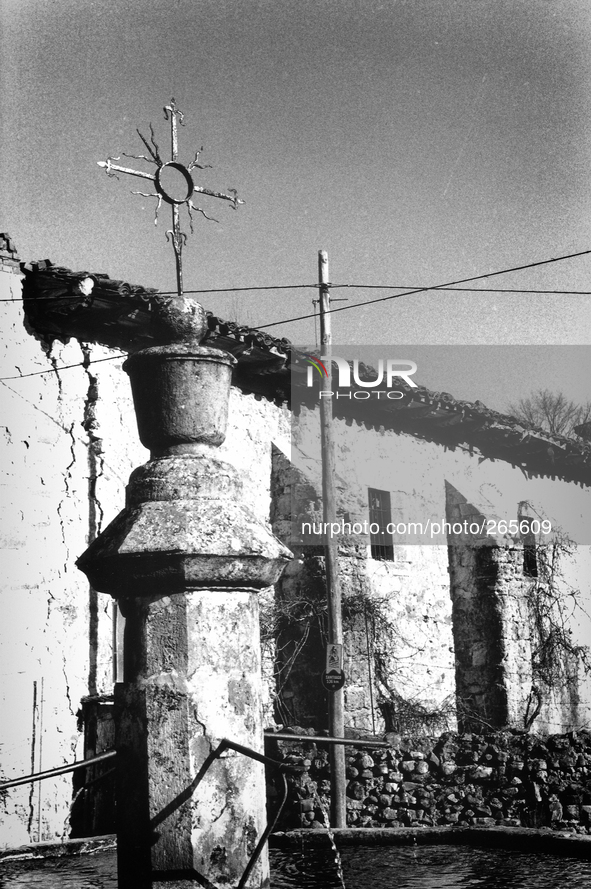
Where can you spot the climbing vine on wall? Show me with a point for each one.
(556, 659)
(294, 634)
(400, 712)
(286, 628)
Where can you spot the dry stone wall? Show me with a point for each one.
(508, 778)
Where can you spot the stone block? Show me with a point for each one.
(355, 790)
(390, 814)
(365, 761)
(354, 805)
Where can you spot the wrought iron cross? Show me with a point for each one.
(173, 183)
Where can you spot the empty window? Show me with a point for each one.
(530, 554)
(380, 515)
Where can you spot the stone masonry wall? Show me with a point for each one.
(515, 662)
(505, 778)
(481, 685)
(514, 609)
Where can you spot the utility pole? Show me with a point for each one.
(336, 720)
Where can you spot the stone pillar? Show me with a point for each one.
(491, 622)
(185, 559)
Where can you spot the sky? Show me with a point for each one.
(418, 142)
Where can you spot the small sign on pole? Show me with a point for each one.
(333, 677)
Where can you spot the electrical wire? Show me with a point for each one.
(369, 302)
(38, 373)
(147, 296)
(447, 285)
(415, 288)
(411, 289)
(420, 287)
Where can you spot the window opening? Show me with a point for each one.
(530, 552)
(380, 514)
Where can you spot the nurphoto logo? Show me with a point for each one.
(387, 371)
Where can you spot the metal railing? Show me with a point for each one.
(224, 745)
(60, 770)
(323, 739)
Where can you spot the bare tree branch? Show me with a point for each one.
(551, 411)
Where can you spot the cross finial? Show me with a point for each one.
(174, 113)
(173, 183)
(173, 110)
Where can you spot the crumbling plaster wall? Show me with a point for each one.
(514, 667)
(397, 615)
(418, 657)
(255, 427)
(520, 616)
(69, 443)
(492, 636)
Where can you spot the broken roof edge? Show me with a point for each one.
(60, 303)
(55, 293)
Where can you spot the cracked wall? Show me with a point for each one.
(411, 659)
(520, 613)
(67, 452)
(69, 443)
(398, 643)
(255, 429)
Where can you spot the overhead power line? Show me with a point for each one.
(449, 285)
(418, 288)
(38, 373)
(369, 302)
(410, 289)
(148, 296)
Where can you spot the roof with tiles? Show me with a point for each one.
(61, 303)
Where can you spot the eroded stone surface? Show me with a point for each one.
(181, 396)
(184, 558)
(193, 678)
(206, 538)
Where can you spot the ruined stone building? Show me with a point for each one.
(437, 631)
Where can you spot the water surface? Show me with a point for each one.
(364, 867)
(428, 867)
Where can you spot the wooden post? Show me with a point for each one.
(336, 720)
